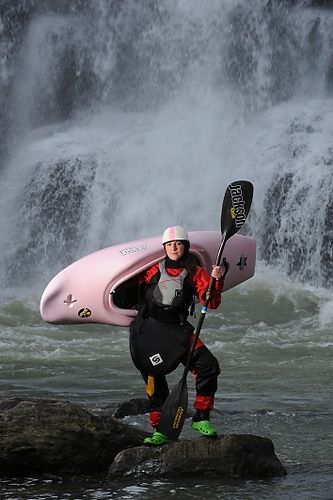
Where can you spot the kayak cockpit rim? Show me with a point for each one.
(125, 292)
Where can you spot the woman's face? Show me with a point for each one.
(174, 249)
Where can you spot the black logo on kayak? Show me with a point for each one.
(84, 313)
(242, 262)
(156, 359)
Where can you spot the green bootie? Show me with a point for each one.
(205, 428)
(156, 439)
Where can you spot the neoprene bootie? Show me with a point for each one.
(156, 439)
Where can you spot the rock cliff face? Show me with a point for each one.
(52, 436)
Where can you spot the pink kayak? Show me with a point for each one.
(98, 289)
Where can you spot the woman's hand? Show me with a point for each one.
(220, 273)
(216, 272)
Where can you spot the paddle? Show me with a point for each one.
(235, 208)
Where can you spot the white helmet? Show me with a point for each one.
(174, 233)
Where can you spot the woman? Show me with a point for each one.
(160, 335)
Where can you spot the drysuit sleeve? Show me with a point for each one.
(200, 280)
(147, 275)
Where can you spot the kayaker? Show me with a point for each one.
(160, 335)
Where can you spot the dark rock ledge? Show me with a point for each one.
(55, 436)
(39, 436)
(232, 456)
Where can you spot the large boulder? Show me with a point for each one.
(54, 436)
(135, 406)
(232, 456)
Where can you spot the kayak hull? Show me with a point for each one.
(86, 291)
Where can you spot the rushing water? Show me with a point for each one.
(274, 342)
(120, 118)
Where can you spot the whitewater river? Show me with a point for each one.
(273, 340)
(118, 119)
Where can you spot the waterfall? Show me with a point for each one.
(119, 118)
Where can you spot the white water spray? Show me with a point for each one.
(133, 120)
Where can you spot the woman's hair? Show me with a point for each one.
(191, 262)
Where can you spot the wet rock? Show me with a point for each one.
(232, 456)
(40, 436)
(136, 406)
(321, 3)
(56, 436)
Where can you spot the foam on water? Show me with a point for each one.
(120, 118)
(165, 125)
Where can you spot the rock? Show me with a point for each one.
(55, 436)
(136, 406)
(320, 3)
(58, 437)
(232, 456)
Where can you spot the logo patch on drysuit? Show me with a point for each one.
(156, 359)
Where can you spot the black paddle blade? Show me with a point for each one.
(174, 411)
(236, 206)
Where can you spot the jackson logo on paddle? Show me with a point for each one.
(237, 212)
(156, 359)
(178, 417)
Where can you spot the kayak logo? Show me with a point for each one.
(138, 248)
(156, 359)
(237, 211)
(242, 262)
(85, 312)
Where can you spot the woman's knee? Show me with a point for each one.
(205, 363)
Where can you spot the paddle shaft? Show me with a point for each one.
(236, 205)
(204, 309)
